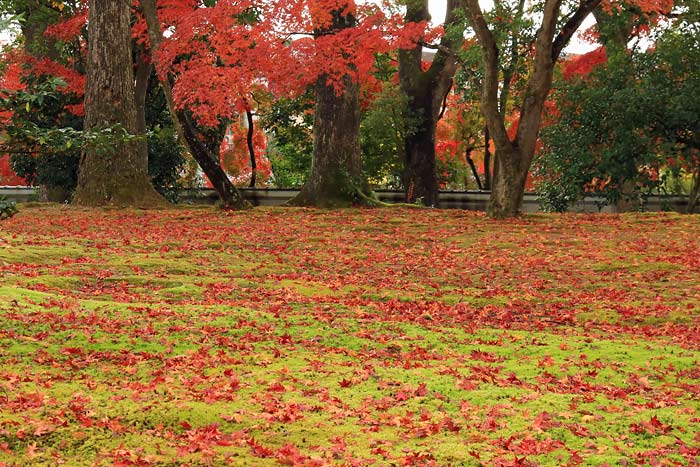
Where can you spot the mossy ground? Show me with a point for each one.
(351, 337)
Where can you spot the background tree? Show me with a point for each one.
(514, 155)
(426, 90)
(288, 123)
(117, 175)
(386, 124)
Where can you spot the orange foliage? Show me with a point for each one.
(235, 158)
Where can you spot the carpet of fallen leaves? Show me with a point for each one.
(386, 337)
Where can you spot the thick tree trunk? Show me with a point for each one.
(230, 197)
(112, 174)
(420, 178)
(336, 171)
(508, 187)
(426, 92)
(336, 178)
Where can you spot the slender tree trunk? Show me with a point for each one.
(487, 158)
(251, 148)
(112, 174)
(336, 178)
(188, 134)
(694, 196)
(472, 166)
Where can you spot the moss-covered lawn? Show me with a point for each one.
(386, 337)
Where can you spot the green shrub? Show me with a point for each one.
(7, 208)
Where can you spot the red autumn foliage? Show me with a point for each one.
(235, 156)
(582, 65)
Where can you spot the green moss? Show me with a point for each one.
(208, 318)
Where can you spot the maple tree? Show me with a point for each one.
(336, 177)
(244, 155)
(289, 47)
(189, 132)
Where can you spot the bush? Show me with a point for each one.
(166, 162)
(7, 208)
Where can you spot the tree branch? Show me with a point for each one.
(585, 8)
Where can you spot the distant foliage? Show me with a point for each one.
(289, 124)
(382, 132)
(628, 128)
(43, 138)
(166, 162)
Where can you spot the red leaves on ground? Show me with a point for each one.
(383, 332)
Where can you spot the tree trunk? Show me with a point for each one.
(336, 171)
(426, 92)
(694, 196)
(420, 178)
(472, 166)
(336, 178)
(188, 134)
(487, 159)
(114, 174)
(251, 148)
(508, 185)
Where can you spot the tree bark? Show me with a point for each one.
(426, 92)
(508, 186)
(336, 170)
(230, 196)
(336, 178)
(114, 174)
